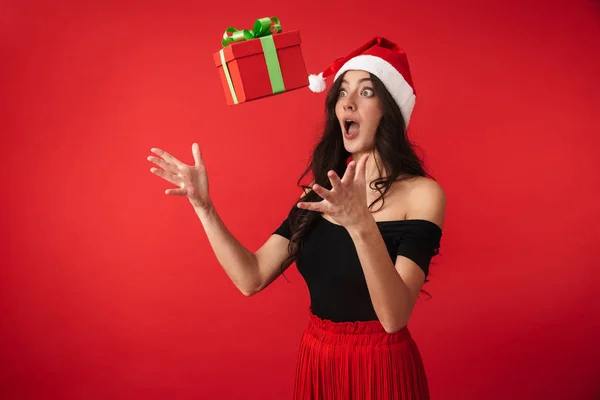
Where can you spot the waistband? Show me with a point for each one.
(354, 332)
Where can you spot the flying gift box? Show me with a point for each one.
(262, 62)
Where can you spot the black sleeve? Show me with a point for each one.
(284, 229)
(420, 242)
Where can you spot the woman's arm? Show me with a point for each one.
(249, 272)
(394, 287)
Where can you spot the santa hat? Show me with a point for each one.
(383, 59)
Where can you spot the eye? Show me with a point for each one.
(342, 93)
(369, 92)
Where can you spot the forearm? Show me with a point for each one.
(238, 262)
(389, 294)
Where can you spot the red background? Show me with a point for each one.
(109, 288)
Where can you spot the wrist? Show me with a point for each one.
(205, 210)
(363, 227)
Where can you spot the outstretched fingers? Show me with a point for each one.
(350, 173)
(169, 177)
(167, 157)
(336, 182)
(312, 206)
(177, 192)
(361, 169)
(163, 164)
(321, 191)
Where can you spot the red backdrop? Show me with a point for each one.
(109, 288)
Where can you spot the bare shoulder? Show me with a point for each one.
(426, 199)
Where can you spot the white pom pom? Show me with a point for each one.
(316, 83)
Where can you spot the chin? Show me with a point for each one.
(354, 147)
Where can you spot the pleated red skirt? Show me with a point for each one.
(358, 361)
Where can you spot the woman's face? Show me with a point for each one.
(358, 110)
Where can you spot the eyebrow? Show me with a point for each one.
(360, 81)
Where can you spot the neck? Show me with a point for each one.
(372, 172)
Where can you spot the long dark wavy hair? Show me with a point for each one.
(397, 156)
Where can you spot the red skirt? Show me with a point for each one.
(358, 361)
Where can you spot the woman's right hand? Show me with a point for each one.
(191, 179)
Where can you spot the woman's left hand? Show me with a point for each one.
(346, 202)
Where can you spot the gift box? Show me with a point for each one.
(260, 63)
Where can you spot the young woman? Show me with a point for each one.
(362, 234)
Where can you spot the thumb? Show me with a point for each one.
(197, 154)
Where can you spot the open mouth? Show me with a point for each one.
(347, 124)
(351, 127)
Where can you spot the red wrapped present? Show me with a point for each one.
(262, 62)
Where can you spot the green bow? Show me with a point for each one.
(262, 27)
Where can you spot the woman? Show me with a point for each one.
(364, 265)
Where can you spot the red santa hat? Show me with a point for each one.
(386, 61)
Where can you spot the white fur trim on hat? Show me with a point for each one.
(316, 83)
(393, 80)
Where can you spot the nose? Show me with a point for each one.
(349, 103)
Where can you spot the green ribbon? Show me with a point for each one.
(273, 66)
(263, 29)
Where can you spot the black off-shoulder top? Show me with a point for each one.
(329, 263)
